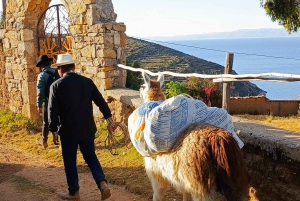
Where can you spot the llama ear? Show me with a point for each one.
(161, 79)
(146, 78)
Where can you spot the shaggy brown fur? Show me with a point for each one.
(155, 93)
(212, 157)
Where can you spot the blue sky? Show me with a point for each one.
(145, 18)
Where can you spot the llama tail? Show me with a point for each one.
(232, 173)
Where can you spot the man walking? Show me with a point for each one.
(71, 116)
(45, 78)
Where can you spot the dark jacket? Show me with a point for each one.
(70, 107)
(41, 86)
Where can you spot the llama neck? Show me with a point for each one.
(156, 95)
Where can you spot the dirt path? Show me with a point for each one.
(25, 177)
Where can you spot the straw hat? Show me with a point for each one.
(64, 59)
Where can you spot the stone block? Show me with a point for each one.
(26, 35)
(96, 62)
(106, 69)
(105, 38)
(92, 36)
(116, 82)
(6, 43)
(86, 64)
(30, 61)
(96, 28)
(76, 29)
(123, 38)
(108, 26)
(79, 8)
(31, 7)
(106, 84)
(86, 39)
(78, 39)
(16, 96)
(117, 39)
(18, 75)
(2, 33)
(121, 54)
(32, 92)
(107, 53)
(104, 46)
(88, 51)
(119, 27)
(14, 42)
(92, 70)
(102, 75)
(26, 48)
(79, 45)
(105, 62)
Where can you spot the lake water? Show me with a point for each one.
(281, 55)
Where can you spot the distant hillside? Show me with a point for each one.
(155, 57)
(242, 33)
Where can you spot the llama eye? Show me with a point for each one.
(142, 87)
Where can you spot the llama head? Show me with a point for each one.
(151, 89)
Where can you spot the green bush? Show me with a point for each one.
(175, 88)
(202, 89)
(133, 79)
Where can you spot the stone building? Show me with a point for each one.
(97, 41)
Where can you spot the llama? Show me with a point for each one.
(205, 164)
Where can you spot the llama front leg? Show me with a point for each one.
(159, 189)
(159, 184)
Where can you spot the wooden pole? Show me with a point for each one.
(226, 85)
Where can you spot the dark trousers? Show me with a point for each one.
(45, 128)
(69, 152)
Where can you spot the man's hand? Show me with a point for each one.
(111, 126)
(40, 110)
(55, 138)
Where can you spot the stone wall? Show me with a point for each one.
(99, 48)
(98, 45)
(3, 86)
(261, 105)
(273, 160)
(272, 155)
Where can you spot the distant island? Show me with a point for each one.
(242, 33)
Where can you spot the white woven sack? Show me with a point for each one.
(220, 118)
(166, 121)
(136, 125)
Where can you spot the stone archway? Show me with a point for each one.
(98, 44)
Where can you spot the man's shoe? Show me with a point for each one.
(68, 196)
(45, 145)
(40, 141)
(105, 190)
